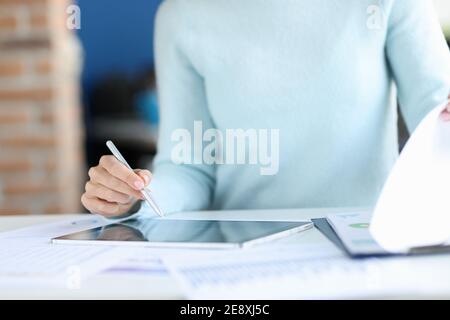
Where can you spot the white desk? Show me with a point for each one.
(145, 287)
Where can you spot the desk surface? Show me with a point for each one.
(140, 287)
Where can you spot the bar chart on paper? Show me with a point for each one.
(292, 273)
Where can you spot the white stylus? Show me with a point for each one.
(148, 197)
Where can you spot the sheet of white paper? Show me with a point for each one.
(54, 229)
(413, 209)
(51, 265)
(29, 259)
(353, 230)
(279, 272)
(306, 272)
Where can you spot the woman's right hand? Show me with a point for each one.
(113, 189)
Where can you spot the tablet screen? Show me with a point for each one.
(185, 231)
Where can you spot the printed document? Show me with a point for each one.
(413, 209)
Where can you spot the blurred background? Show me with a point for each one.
(64, 91)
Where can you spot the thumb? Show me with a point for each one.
(145, 175)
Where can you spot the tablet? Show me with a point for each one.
(185, 233)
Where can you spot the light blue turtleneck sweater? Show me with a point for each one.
(322, 72)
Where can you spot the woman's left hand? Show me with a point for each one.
(445, 115)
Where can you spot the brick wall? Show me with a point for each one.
(40, 134)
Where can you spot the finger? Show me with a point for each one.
(120, 171)
(99, 175)
(445, 115)
(94, 190)
(145, 175)
(105, 208)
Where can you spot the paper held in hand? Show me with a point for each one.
(413, 209)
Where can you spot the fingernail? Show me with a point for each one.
(139, 185)
(146, 179)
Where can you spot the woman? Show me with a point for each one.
(320, 73)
